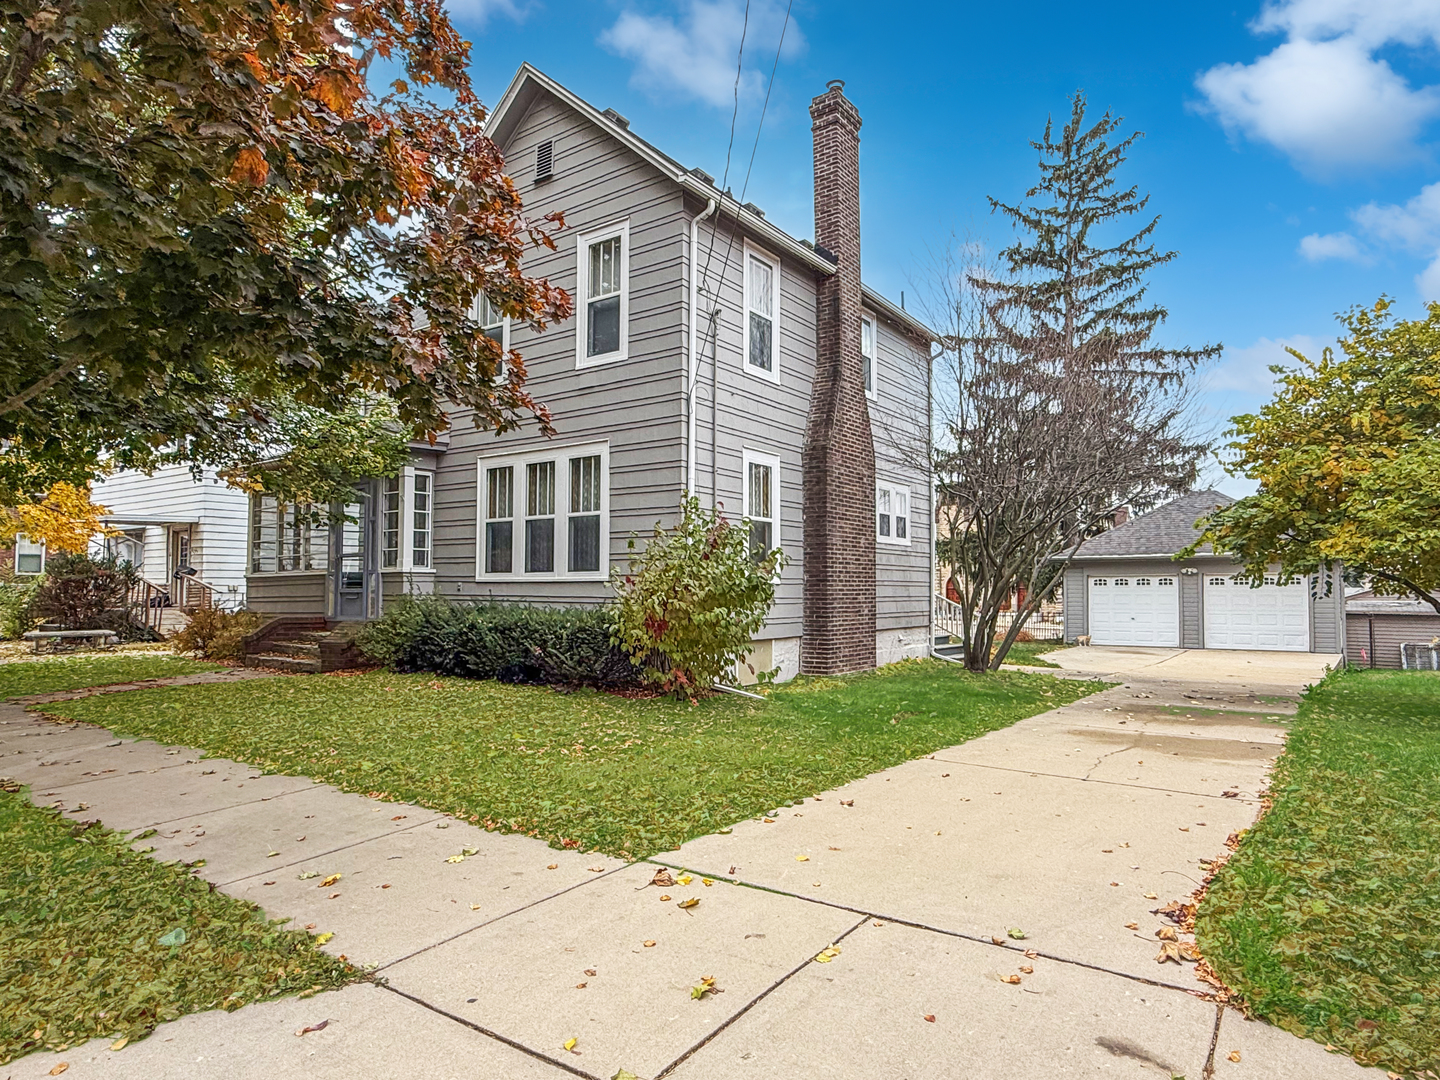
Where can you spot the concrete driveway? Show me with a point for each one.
(1069, 828)
(1287, 670)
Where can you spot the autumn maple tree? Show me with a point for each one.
(1347, 457)
(66, 519)
(212, 215)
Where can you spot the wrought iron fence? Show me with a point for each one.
(1047, 624)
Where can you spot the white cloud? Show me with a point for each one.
(1414, 226)
(1428, 280)
(1246, 370)
(479, 11)
(1316, 247)
(696, 52)
(1323, 97)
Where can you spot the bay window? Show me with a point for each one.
(556, 504)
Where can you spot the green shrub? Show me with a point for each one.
(81, 593)
(217, 635)
(14, 607)
(510, 642)
(694, 599)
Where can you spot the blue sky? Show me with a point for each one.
(1290, 147)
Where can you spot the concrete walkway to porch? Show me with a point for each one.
(1062, 827)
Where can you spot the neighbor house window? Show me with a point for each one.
(892, 514)
(761, 305)
(288, 539)
(29, 555)
(604, 295)
(867, 354)
(761, 499)
(493, 325)
(421, 503)
(555, 505)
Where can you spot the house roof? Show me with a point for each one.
(529, 80)
(1367, 603)
(1163, 531)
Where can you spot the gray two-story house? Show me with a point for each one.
(710, 352)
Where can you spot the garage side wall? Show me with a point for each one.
(1076, 617)
(1327, 613)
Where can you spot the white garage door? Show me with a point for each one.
(1271, 616)
(1134, 611)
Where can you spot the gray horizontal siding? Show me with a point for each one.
(286, 594)
(1373, 641)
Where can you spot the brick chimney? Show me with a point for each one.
(839, 454)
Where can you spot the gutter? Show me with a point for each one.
(692, 353)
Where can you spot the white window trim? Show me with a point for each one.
(504, 333)
(561, 455)
(773, 375)
(873, 393)
(407, 522)
(777, 477)
(892, 540)
(582, 290)
(250, 570)
(30, 548)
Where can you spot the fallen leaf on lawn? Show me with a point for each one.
(1367, 1025)
(570, 1044)
(692, 902)
(1013, 980)
(120, 1044)
(321, 939)
(306, 875)
(649, 944)
(331, 880)
(321, 1026)
(802, 858)
(1234, 1055)
(553, 866)
(1132, 926)
(58, 1069)
(1026, 969)
(929, 1018)
(1167, 933)
(173, 937)
(1016, 933)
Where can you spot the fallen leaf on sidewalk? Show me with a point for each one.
(321, 939)
(705, 986)
(847, 802)
(1132, 926)
(692, 902)
(569, 1044)
(624, 1074)
(331, 880)
(664, 897)
(1151, 896)
(306, 875)
(1234, 1055)
(1031, 954)
(1013, 980)
(802, 858)
(553, 866)
(1189, 951)
(590, 972)
(827, 954)
(120, 1044)
(1016, 933)
(581, 986)
(1167, 933)
(58, 1069)
(684, 879)
(474, 907)
(1026, 969)
(996, 940)
(455, 858)
(707, 882)
(321, 1026)
(929, 1018)
(649, 944)
(272, 854)
(1169, 950)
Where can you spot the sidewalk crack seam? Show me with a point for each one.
(1102, 757)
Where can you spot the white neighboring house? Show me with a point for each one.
(168, 522)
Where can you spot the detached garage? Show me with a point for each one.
(1125, 588)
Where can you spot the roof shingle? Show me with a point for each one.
(1164, 531)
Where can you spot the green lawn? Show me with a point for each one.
(81, 916)
(1028, 652)
(1327, 919)
(19, 678)
(586, 769)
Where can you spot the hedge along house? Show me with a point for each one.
(710, 352)
(1124, 587)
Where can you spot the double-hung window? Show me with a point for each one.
(604, 308)
(493, 325)
(762, 307)
(761, 499)
(545, 514)
(892, 514)
(867, 354)
(405, 509)
(29, 555)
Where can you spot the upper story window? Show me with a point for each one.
(604, 301)
(29, 555)
(762, 306)
(405, 506)
(867, 354)
(288, 539)
(493, 325)
(761, 499)
(892, 514)
(545, 514)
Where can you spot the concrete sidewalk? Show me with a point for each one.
(1061, 827)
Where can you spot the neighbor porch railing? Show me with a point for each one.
(1047, 624)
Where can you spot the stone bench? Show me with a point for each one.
(104, 637)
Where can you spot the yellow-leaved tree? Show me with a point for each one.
(65, 520)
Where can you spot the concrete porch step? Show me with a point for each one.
(299, 648)
(284, 663)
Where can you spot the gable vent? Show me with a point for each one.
(545, 160)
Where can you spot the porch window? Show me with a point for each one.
(760, 499)
(892, 514)
(420, 520)
(554, 505)
(29, 555)
(391, 506)
(287, 539)
(604, 288)
(499, 519)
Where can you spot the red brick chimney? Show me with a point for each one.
(839, 454)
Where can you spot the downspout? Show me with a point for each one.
(693, 352)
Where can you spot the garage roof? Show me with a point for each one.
(1163, 531)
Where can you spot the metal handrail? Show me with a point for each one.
(1043, 625)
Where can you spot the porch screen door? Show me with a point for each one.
(354, 562)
